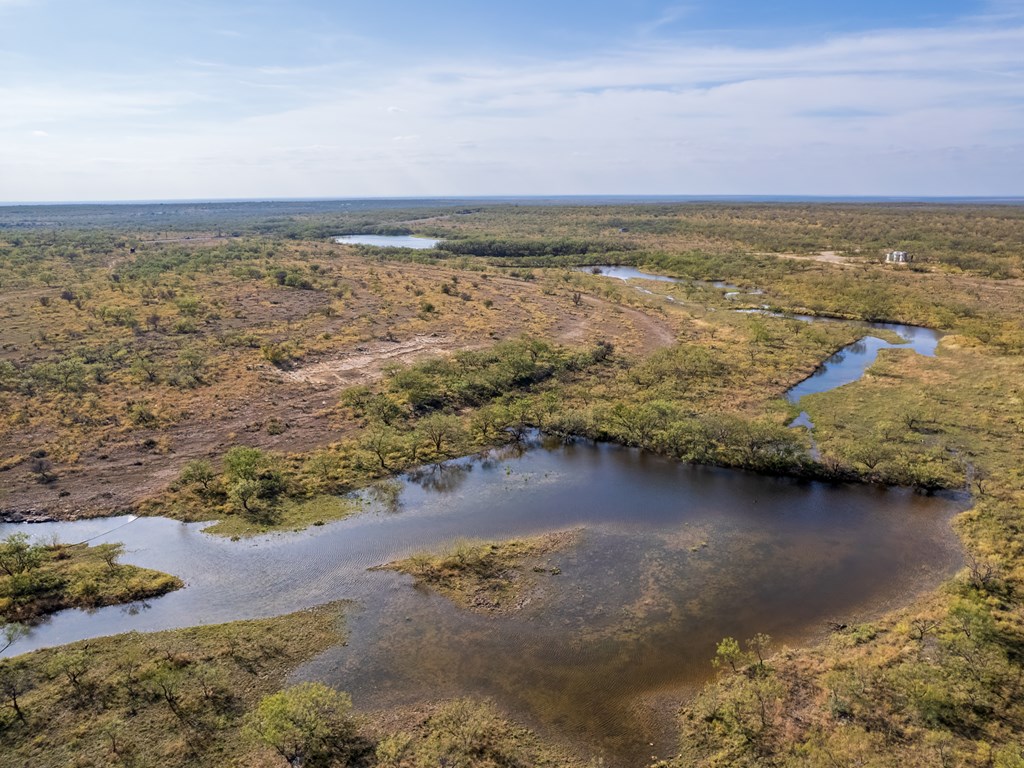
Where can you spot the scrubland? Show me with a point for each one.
(257, 374)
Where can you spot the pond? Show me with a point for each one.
(389, 241)
(671, 559)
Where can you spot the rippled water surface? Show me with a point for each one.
(671, 559)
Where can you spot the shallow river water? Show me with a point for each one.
(671, 559)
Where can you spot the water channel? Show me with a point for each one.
(672, 558)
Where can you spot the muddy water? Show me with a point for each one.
(389, 241)
(672, 558)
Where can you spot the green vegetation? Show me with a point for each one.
(715, 236)
(39, 579)
(474, 378)
(288, 515)
(420, 417)
(466, 734)
(488, 577)
(307, 724)
(169, 698)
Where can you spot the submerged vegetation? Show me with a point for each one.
(217, 696)
(488, 577)
(253, 372)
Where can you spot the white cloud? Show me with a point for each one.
(934, 111)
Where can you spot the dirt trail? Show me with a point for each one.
(366, 363)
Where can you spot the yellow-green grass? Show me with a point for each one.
(488, 577)
(77, 576)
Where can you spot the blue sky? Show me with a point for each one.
(112, 99)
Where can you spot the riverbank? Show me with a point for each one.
(174, 698)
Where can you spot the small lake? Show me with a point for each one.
(671, 559)
(389, 241)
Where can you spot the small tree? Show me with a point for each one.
(42, 468)
(324, 467)
(198, 473)
(253, 482)
(244, 463)
(72, 666)
(109, 553)
(307, 724)
(15, 681)
(381, 442)
(18, 556)
(441, 430)
(729, 654)
(10, 633)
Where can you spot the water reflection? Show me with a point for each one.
(851, 362)
(441, 478)
(672, 558)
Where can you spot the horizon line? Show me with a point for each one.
(584, 196)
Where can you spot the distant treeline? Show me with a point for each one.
(517, 248)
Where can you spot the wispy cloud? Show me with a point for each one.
(935, 111)
(667, 18)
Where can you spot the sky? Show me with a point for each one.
(130, 99)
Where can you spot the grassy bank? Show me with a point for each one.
(212, 696)
(171, 698)
(40, 579)
(937, 684)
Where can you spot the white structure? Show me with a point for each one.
(898, 257)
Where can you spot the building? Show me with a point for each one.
(898, 257)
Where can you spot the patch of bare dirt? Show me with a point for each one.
(630, 328)
(366, 363)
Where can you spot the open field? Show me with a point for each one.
(180, 352)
